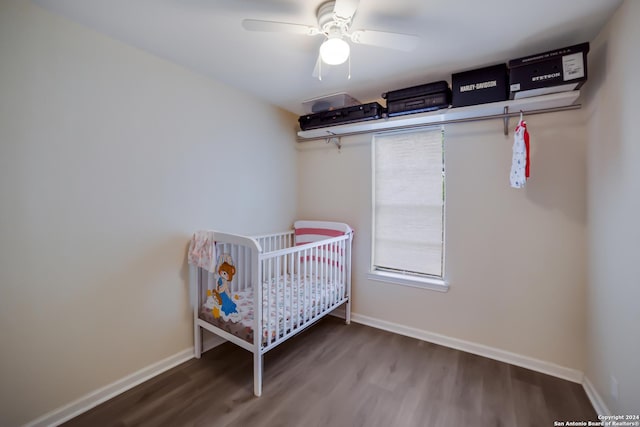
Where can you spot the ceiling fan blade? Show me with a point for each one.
(317, 70)
(279, 27)
(405, 42)
(345, 8)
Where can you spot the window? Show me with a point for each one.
(408, 208)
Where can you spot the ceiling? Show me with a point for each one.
(455, 35)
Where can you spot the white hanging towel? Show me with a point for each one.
(202, 250)
(521, 159)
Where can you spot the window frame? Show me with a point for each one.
(422, 281)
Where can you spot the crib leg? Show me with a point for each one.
(197, 341)
(257, 373)
(347, 317)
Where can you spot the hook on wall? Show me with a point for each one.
(506, 119)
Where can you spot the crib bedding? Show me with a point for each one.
(302, 305)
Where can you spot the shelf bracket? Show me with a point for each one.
(506, 121)
(335, 140)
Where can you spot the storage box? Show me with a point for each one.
(419, 104)
(416, 91)
(358, 113)
(418, 99)
(559, 70)
(480, 86)
(329, 102)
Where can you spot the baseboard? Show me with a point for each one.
(83, 404)
(595, 398)
(73, 409)
(548, 368)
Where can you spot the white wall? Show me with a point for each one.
(109, 159)
(614, 209)
(515, 258)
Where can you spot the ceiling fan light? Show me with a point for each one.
(334, 51)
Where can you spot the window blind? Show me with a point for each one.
(409, 202)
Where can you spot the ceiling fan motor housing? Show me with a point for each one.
(329, 22)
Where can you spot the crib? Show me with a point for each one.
(258, 292)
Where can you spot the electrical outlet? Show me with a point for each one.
(615, 392)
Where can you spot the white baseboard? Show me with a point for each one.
(548, 368)
(537, 365)
(90, 400)
(595, 398)
(73, 409)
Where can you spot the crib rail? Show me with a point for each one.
(276, 241)
(300, 284)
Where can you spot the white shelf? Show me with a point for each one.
(543, 102)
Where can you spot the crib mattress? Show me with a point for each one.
(309, 300)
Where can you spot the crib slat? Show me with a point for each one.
(297, 270)
(306, 285)
(277, 285)
(334, 269)
(315, 282)
(323, 276)
(310, 284)
(291, 290)
(239, 264)
(320, 267)
(343, 269)
(268, 290)
(334, 283)
(339, 272)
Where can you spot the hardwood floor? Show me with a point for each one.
(338, 375)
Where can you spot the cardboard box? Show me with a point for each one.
(559, 70)
(480, 86)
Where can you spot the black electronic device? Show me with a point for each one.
(358, 113)
(419, 104)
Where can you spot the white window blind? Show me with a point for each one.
(408, 198)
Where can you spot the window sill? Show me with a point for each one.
(432, 284)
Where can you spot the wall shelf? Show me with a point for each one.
(495, 110)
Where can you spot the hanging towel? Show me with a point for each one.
(202, 250)
(521, 159)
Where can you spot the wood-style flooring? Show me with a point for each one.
(338, 375)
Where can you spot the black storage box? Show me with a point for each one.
(358, 113)
(488, 84)
(414, 91)
(559, 70)
(418, 99)
(419, 104)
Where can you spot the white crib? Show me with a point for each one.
(278, 285)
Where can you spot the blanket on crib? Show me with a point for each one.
(281, 308)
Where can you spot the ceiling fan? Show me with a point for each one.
(334, 23)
